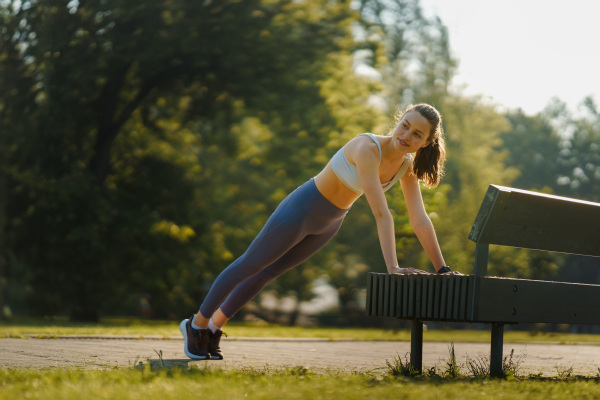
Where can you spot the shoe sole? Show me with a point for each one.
(183, 330)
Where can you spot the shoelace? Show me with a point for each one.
(215, 338)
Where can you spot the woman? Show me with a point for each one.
(311, 215)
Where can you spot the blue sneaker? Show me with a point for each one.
(196, 341)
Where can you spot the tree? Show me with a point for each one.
(124, 106)
(533, 146)
(579, 152)
(578, 172)
(473, 132)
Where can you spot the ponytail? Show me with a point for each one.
(428, 165)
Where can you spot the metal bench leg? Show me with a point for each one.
(416, 345)
(496, 350)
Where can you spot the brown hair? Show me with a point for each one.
(428, 165)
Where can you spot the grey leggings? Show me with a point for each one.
(300, 226)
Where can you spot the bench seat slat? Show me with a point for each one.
(386, 295)
(430, 296)
(405, 297)
(450, 298)
(398, 306)
(380, 299)
(443, 298)
(369, 306)
(424, 295)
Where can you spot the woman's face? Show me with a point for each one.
(412, 132)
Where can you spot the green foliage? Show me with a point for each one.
(401, 367)
(135, 114)
(452, 369)
(473, 130)
(479, 367)
(144, 144)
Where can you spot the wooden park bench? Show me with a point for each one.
(508, 217)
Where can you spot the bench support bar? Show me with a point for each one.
(496, 350)
(416, 345)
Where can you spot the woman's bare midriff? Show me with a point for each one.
(334, 190)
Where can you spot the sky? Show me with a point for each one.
(522, 53)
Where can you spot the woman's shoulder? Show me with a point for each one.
(367, 139)
(363, 144)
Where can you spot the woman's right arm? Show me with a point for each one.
(366, 158)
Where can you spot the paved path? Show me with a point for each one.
(317, 355)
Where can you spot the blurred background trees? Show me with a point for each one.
(143, 145)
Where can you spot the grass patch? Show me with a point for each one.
(478, 368)
(143, 382)
(49, 328)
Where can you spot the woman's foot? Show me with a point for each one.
(213, 344)
(196, 341)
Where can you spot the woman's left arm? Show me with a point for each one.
(419, 220)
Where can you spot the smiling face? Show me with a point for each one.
(412, 133)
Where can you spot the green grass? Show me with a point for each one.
(298, 383)
(20, 327)
(152, 380)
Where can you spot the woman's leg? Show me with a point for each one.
(200, 320)
(305, 217)
(282, 231)
(250, 287)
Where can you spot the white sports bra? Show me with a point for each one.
(348, 173)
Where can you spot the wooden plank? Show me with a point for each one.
(369, 294)
(437, 296)
(416, 296)
(399, 305)
(430, 295)
(476, 296)
(521, 218)
(519, 300)
(424, 295)
(393, 295)
(456, 302)
(411, 297)
(444, 297)
(386, 295)
(374, 292)
(392, 298)
(380, 288)
(450, 297)
(463, 298)
(470, 293)
(405, 290)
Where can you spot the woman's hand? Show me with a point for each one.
(446, 270)
(451, 273)
(408, 271)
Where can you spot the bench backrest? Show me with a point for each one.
(520, 218)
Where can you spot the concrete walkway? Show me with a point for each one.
(317, 355)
